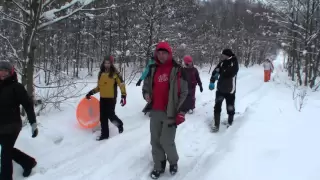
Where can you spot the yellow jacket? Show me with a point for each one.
(107, 86)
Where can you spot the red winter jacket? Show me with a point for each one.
(161, 80)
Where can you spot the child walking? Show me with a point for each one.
(108, 80)
(193, 81)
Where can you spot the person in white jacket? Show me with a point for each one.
(268, 69)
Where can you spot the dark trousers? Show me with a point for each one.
(193, 96)
(107, 112)
(230, 99)
(9, 153)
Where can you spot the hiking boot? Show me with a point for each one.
(155, 174)
(102, 137)
(27, 171)
(173, 169)
(215, 129)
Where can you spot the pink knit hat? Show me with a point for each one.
(187, 59)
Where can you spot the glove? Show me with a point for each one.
(201, 89)
(34, 130)
(180, 118)
(123, 100)
(88, 96)
(139, 82)
(211, 86)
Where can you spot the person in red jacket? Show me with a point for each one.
(166, 89)
(193, 81)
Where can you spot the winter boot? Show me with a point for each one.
(27, 171)
(230, 120)
(173, 169)
(102, 137)
(216, 125)
(155, 174)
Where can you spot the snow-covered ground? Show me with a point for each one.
(270, 139)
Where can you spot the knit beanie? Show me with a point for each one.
(227, 52)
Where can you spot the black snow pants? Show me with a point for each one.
(9, 153)
(230, 100)
(107, 111)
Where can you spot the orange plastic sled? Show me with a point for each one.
(88, 112)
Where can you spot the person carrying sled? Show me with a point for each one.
(145, 71)
(166, 89)
(12, 95)
(268, 69)
(226, 74)
(193, 81)
(108, 80)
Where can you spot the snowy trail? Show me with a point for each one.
(207, 145)
(128, 156)
(262, 143)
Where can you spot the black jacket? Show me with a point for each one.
(227, 71)
(12, 95)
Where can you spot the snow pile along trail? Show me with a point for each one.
(267, 140)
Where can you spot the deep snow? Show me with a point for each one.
(269, 140)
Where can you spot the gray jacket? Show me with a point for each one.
(177, 101)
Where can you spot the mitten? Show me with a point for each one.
(139, 82)
(123, 100)
(211, 86)
(34, 130)
(180, 118)
(201, 89)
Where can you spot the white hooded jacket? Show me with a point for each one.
(268, 66)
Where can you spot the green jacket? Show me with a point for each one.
(178, 90)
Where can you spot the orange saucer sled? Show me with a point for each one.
(88, 112)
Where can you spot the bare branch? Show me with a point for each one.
(44, 25)
(12, 48)
(47, 3)
(20, 7)
(12, 19)
(52, 11)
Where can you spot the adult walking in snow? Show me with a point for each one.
(226, 74)
(12, 95)
(268, 69)
(193, 80)
(108, 80)
(166, 89)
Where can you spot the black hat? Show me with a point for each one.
(6, 65)
(227, 52)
